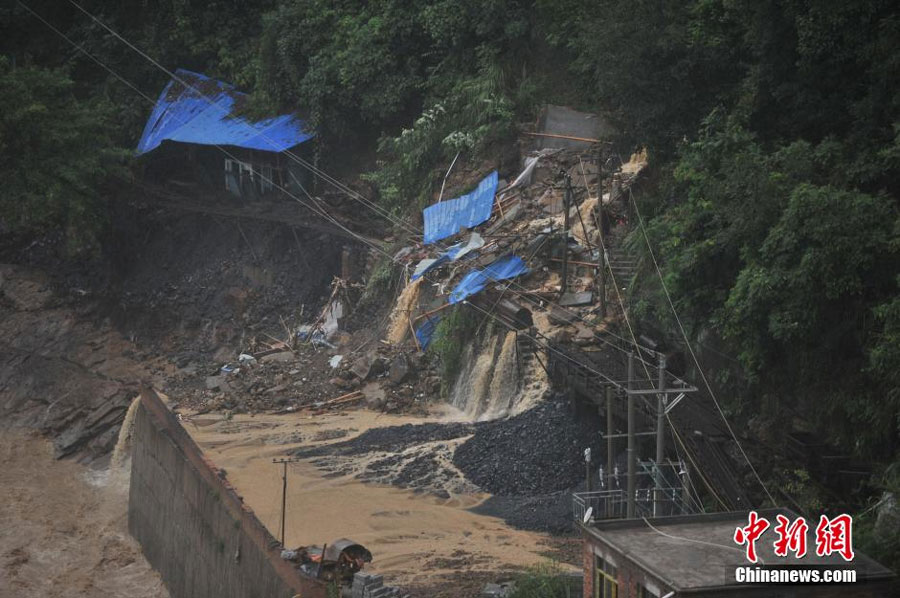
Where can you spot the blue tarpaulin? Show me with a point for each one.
(475, 281)
(201, 112)
(426, 331)
(444, 219)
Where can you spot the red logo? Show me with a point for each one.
(750, 534)
(835, 535)
(791, 536)
(832, 536)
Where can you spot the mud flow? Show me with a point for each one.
(63, 527)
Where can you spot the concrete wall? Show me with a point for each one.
(191, 524)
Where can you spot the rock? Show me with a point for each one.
(282, 357)
(433, 384)
(214, 382)
(496, 590)
(582, 331)
(561, 317)
(341, 383)
(575, 299)
(559, 335)
(400, 369)
(374, 395)
(27, 291)
(370, 364)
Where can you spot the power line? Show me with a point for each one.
(691, 350)
(174, 76)
(320, 173)
(644, 364)
(327, 216)
(335, 182)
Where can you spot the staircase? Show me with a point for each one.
(527, 351)
(622, 264)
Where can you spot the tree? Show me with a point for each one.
(55, 154)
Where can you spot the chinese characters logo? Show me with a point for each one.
(831, 536)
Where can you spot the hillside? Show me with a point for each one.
(765, 230)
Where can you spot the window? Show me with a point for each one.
(245, 179)
(266, 183)
(605, 583)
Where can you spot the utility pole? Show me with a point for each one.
(686, 487)
(587, 470)
(567, 197)
(598, 214)
(660, 434)
(610, 452)
(284, 464)
(632, 457)
(602, 277)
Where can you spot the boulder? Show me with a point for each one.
(561, 317)
(214, 382)
(341, 383)
(401, 368)
(370, 364)
(281, 357)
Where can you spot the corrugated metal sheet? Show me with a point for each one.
(425, 332)
(452, 254)
(444, 219)
(475, 281)
(201, 112)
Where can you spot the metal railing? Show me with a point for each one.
(613, 504)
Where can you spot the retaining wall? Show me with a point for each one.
(192, 525)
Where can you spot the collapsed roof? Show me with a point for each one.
(194, 108)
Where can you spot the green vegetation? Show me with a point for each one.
(772, 127)
(428, 78)
(451, 337)
(542, 581)
(55, 155)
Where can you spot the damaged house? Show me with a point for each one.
(198, 141)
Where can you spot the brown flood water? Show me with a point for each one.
(413, 537)
(63, 528)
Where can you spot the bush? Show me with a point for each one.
(542, 581)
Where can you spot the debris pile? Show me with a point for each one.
(543, 262)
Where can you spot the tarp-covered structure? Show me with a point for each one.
(446, 218)
(475, 281)
(194, 108)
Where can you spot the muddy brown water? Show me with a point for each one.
(63, 527)
(413, 537)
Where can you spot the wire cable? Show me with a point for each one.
(342, 187)
(691, 350)
(316, 171)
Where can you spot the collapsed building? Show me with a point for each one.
(195, 115)
(538, 260)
